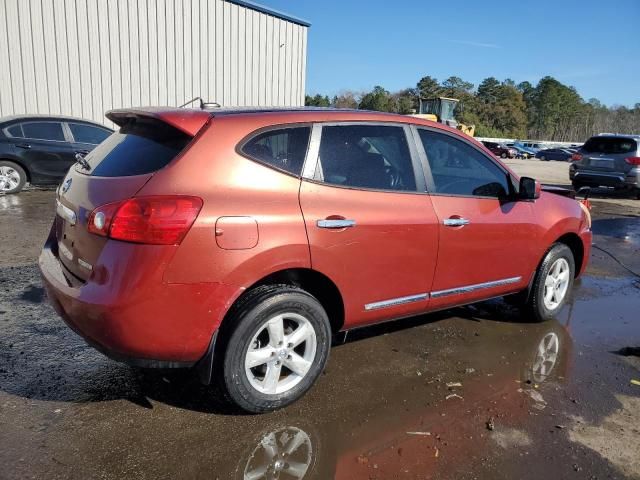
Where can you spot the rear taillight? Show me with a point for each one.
(158, 220)
(576, 157)
(633, 160)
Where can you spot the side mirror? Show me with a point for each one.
(529, 189)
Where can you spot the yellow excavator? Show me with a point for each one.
(442, 110)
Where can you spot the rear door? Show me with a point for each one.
(371, 227)
(486, 245)
(45, 150)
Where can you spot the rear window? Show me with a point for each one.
(610, 145)
(139, 147)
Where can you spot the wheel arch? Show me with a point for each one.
(312, 281)
(574, 242)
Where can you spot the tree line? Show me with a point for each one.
(549, 110)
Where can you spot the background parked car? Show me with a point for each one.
(501, 150)
(561, 154)
(608, 161)
(521, 152)
(40, 149)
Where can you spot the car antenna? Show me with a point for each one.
(203, 105)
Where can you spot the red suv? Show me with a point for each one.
(240, 241)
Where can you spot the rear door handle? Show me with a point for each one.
(336, 223)
(456, 222)
(26, 146)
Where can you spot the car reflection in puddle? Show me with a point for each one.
(418, 441)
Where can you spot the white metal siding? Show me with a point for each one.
(84, 57)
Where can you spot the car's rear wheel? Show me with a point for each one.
(12, 177)
(278, 348)
(552, 284)
(543, 158)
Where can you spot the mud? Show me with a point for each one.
(556, 395)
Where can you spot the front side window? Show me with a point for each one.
(459, 169)
(88, 134)
(366, 156)
(43, 131)
(284, 148)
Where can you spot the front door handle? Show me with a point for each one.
(26, 146)
(455, 222)
(336, 223)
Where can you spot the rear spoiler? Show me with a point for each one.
(186, 120)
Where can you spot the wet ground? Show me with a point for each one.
(475, 392)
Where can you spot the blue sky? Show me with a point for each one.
(592, 45)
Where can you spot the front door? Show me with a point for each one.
(369, 229)
(487, 243)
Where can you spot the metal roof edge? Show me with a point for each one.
(270, 11)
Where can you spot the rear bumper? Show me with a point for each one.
(596, 178)
(130, 314)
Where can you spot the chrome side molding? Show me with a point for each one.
(472, 288)
(392, 302)
(396, 301)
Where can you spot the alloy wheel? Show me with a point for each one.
(556, 284)
(281, 353)
(9, 179)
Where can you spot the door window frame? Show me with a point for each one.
(426, 167)
(313, 156)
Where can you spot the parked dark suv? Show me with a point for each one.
(40, 150)
(608, 161)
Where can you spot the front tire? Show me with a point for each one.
(278, 348)
(12, 177)
(552, 284)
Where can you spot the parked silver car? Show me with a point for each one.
(608, 161)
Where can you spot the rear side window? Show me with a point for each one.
(43, 131)
(366, 156)
(88, 134)
(610, 145)
(459, 169)
(141, 146)
(15, 131)
(284, 148)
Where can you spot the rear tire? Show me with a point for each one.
(269, 325)
(552, 284)
(12, 177)
(543, 158)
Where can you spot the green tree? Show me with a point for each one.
(317, 101)
(377, 99)
(428, 87)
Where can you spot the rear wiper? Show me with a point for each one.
(82, 161)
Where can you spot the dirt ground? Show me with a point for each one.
(471, 393)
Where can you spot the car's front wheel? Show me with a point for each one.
(12, 177)
(277, 349)
(552, 284)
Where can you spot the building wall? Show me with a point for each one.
(84, 57)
